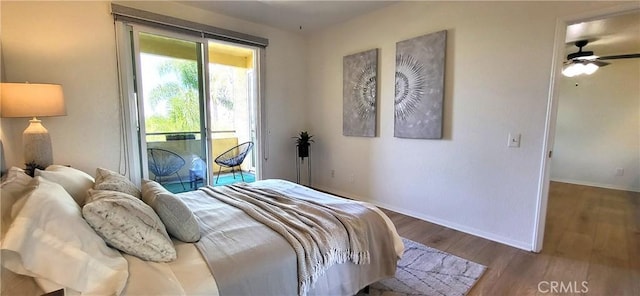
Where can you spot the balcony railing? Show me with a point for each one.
(181, 136)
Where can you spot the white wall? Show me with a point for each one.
(598, 128)
(498, 64)
(73, 43)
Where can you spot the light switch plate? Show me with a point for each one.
(514, 140)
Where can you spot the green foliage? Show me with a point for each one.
(222, 83)
(186, 70)
(181, 98)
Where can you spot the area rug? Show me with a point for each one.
(427, 271)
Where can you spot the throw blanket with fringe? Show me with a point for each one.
(320, 235)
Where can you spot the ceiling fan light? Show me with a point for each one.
(590, 68)
(574, 69)
(569, 71)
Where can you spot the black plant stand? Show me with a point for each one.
(301, 160)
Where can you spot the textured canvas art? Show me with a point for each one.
(419, 89)
(359, 94)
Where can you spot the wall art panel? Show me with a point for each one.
(359, 93)
(419, 86)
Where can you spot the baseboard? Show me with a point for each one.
(337, 193)
(462, 228)
(593, 184)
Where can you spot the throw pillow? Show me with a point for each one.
(110, 180)
(129, 225)
(74, 181)
(49, 240)
(176, 216)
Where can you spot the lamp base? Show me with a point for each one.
(37, 144)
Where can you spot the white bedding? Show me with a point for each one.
(189, 274)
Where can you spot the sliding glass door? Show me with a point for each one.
(190, 100)
(173, 129)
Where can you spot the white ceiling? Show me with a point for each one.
(291, 15)
(610, 36)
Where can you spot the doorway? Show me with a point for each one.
(190, 100)
(552, 111)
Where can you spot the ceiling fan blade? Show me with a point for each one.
(600, 63)
(596, 62)
(622, 56)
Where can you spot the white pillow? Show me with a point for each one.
(74, 181)
(176, 216)
(17, 185)
(50, 241)
(128, 224)
(110, 180)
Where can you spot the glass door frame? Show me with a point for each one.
(202, 60)
(128, 51)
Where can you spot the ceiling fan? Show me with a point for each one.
(585, 62)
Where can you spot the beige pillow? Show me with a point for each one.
(129, 225)
(74, 181)
(50, 241)
(176, 216)
(110, 180)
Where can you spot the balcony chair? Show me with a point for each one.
(164, 163)
(233, 158)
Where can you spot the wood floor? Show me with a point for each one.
(592, 236)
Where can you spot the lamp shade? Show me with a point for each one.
(31, 100)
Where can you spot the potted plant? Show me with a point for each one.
(303, 140)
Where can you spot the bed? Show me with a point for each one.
(45, 229)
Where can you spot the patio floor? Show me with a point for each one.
(225, 179)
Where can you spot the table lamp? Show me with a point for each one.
(33, 100)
